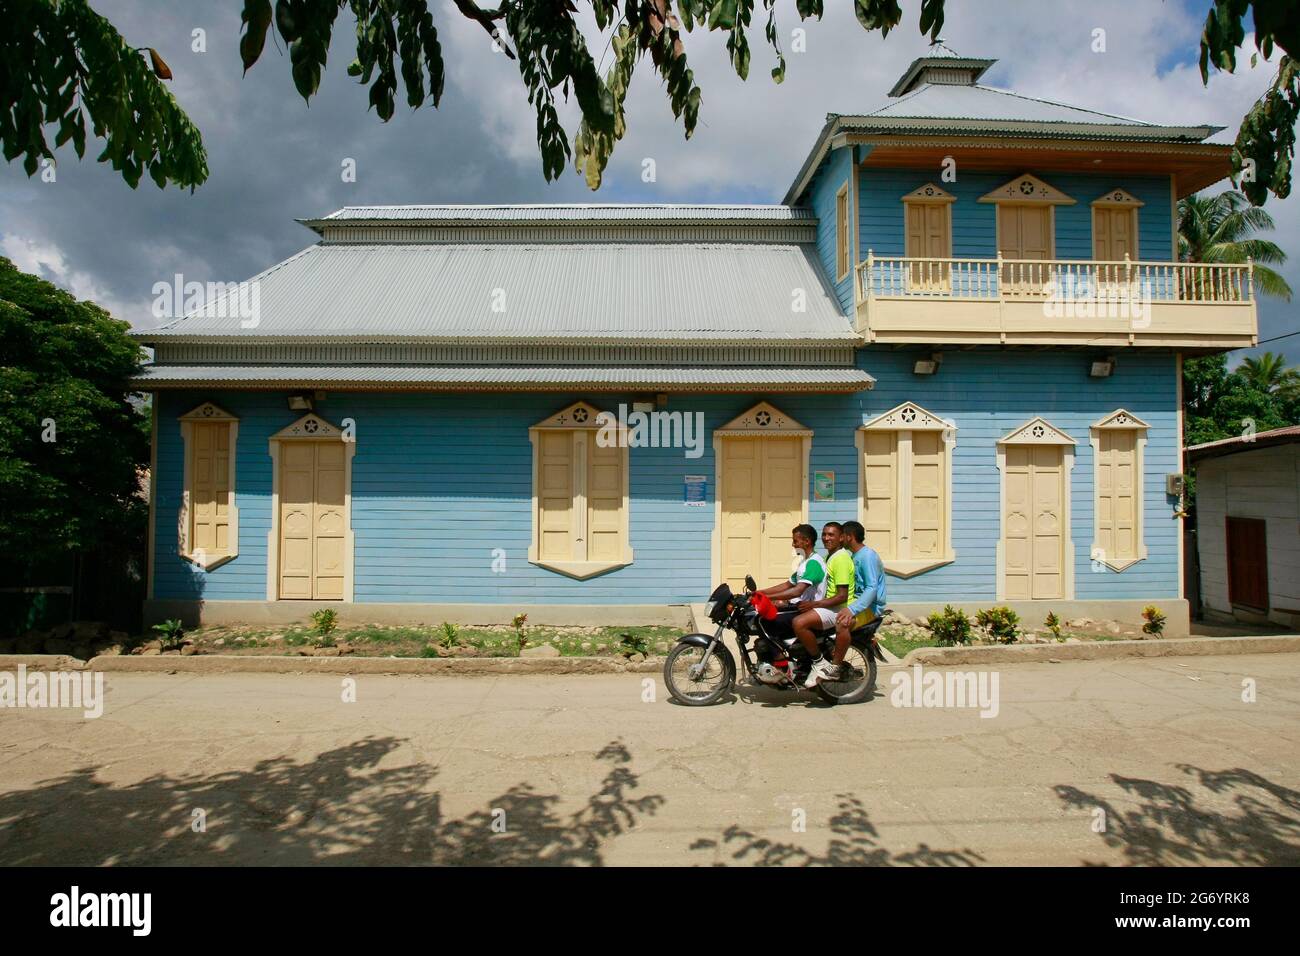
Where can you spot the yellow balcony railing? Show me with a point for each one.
(1055, 301)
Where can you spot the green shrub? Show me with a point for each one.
(171, 634)
(949, 626)
(323, 623)
(1001, 623)
(450, 636)
(1155, 620)
(518, 622)
(634, 644)
(429, 651)
(1053, 624)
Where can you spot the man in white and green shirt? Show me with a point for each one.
(808, 582)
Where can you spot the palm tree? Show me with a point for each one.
(1219, 229)
(1269, 373)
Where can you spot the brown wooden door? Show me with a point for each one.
(1247, 563)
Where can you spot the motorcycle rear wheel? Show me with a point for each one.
(706, 687)
(860, 683)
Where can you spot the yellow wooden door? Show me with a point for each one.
(1117, 494)
(329, 524)
(762, 498)
(1024, 232)
(928, 237)
(1033, 523)
(1113, 234)
(741, 497)
(1113, 238)
(297, 497)
(313, 521)
(781, 506)
(210, 504)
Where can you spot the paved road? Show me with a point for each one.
(583, 770)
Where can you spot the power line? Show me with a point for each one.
(1276, 337)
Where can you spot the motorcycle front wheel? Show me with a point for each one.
(858, 676)
(692, 681)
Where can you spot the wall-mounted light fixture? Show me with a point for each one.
(927, 366)
(1102, 368)
(299, 403)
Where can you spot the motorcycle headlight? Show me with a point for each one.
(708, 608)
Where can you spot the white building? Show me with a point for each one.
(1248, 526)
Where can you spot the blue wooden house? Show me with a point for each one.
(964, 326)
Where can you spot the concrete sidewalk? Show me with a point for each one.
(585, 769)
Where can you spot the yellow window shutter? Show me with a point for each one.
(555, 493)
(604, 501)
(880, 491)
(1116, 494)
(927, 492)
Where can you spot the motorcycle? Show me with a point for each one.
(700, 669)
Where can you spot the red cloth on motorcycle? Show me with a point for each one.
(763, 605)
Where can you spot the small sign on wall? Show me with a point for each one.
(823, 486)
(695, 490)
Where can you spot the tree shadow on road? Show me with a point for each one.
(341, 807)
(1170, 827)
(856, 842)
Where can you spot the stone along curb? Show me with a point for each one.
(1103, 650)
(41, 662)
(457, 667)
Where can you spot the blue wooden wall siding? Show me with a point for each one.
(881, 221)
(439, 481)
(833, 173)
(974, 223)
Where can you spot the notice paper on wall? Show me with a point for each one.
(696, 490)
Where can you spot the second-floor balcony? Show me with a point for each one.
(998, 301)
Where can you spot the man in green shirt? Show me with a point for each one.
(816, 615)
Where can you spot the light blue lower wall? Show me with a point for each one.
(439, 481)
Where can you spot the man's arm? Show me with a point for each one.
(870, 587)
(784, 590)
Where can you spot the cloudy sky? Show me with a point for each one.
(273, 158)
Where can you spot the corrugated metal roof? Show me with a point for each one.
(565, 213)
(598, 292)
(499, 378)
(1229, 446)
(950, 101)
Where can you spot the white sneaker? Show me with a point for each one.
(822, 669)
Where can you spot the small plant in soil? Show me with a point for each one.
(450, 636)
(1000, 623)
(1155, 620)
(429, 651)
(171, 634)
(634, 644)
(950, 626)
(1053, 624)
(518, 622)
(323, 623)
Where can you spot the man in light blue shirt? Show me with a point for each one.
(868, 602)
